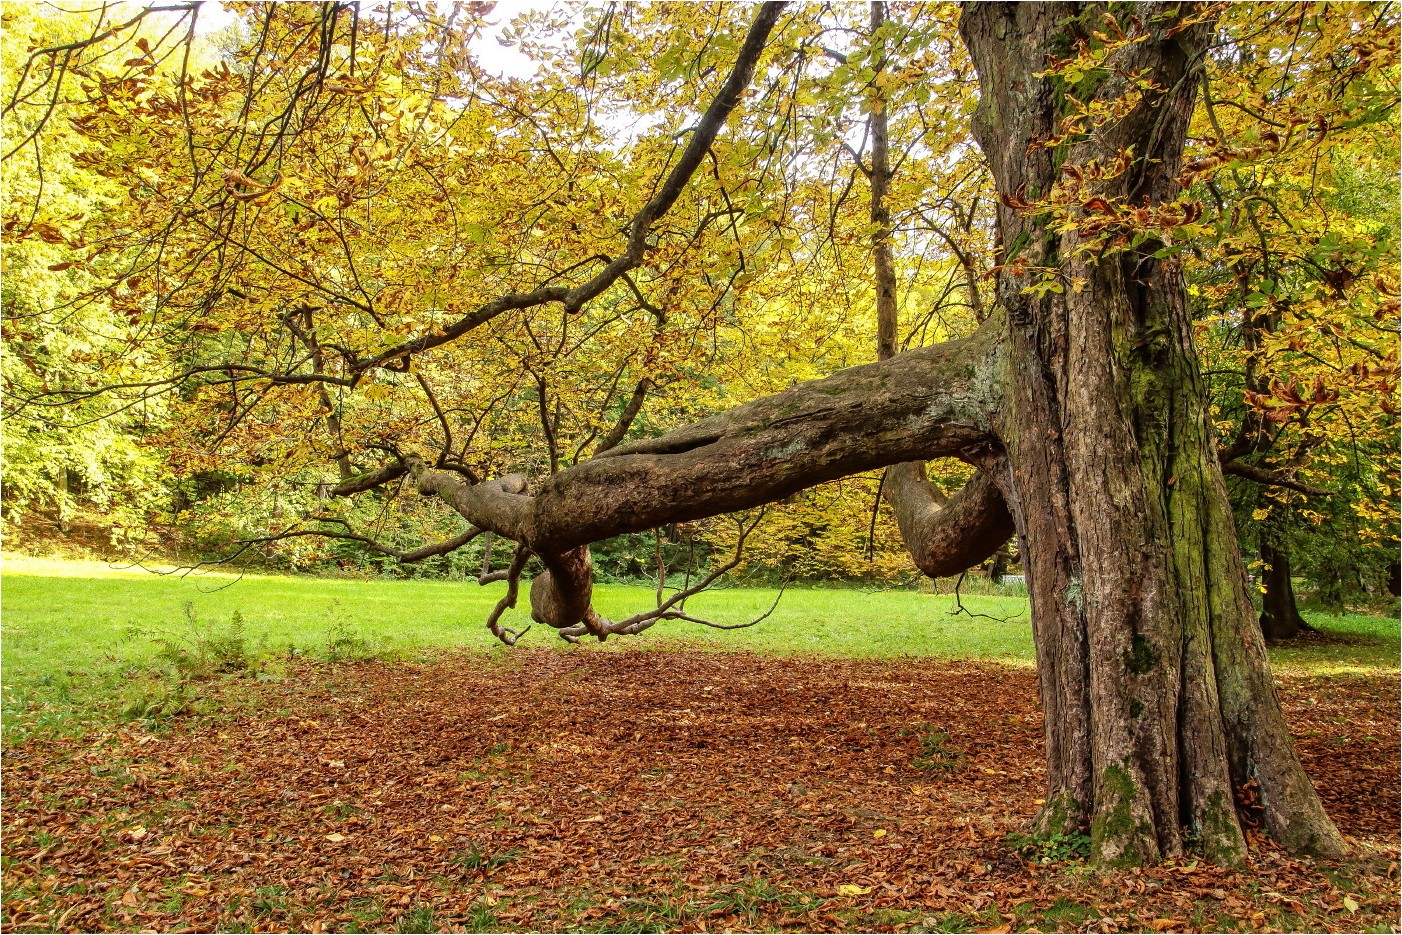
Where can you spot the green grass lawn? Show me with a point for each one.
(61, 616)
(66, 624)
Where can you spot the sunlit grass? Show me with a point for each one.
(69, 624)
(61, 616)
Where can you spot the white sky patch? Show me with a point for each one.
(212, 18)
(500, 60)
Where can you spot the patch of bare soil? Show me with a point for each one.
(643, 791)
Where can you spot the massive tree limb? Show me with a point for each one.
(927, 403)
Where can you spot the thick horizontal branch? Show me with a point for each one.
(931, 402)
(499, 505)
(926, 403)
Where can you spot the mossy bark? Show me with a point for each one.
(1156, 689)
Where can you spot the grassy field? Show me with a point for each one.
(71, 624)
(66, 615)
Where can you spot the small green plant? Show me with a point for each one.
(475, 861)
(157, 699)
(340, 810)
(1054, 849)
(345, 644)
(365, 914)
(481, 918)
(269, 899)
(204, 650)
(935, 752)
(420, 919)
(753, 895)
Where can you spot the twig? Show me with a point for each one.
(508, 600)
(959, 607)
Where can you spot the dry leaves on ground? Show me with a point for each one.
(642, 791)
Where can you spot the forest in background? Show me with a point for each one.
(431, 187)
(323, 287)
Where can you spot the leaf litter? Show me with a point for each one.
(644, 791)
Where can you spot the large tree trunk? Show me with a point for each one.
(1157, 694)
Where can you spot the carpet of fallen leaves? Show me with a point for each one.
(642, 791)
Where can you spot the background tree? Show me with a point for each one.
(1294, 289)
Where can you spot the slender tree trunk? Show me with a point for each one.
(880, 177)
(1000, 563)
(1156, 691)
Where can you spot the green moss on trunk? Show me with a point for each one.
(1118, 837)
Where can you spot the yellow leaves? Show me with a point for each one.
(45, 232)
(245, 188)
(852, 889)
(345, 84)
(1205, 167)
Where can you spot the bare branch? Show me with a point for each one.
(508, 600)
(674, 608)
(625, 419)
(1270, 478)
(408, 557)
(368, 481)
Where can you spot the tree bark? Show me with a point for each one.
(883, 263)
(1280, 617)
(1157, 695)
(947, 535)
(926, 403)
